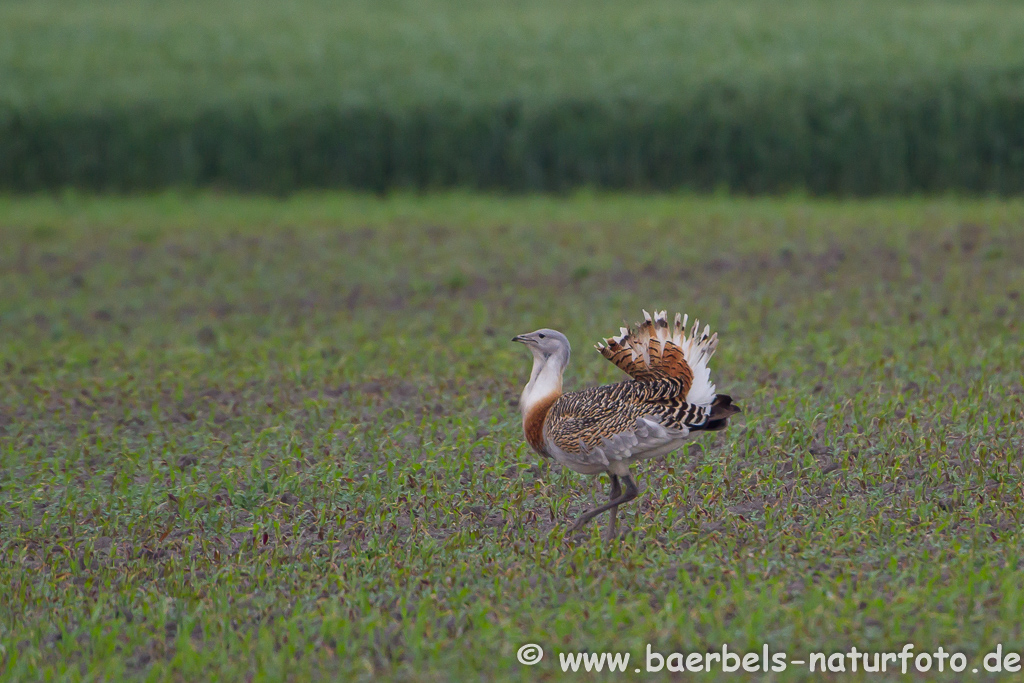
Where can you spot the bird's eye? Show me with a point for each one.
(541, 336)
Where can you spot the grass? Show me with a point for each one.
(259, 439)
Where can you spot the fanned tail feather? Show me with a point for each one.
(697, 351)
(653, 353)
(622, 351)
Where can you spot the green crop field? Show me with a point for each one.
(259, 439)
(754, 95)
(188, 54)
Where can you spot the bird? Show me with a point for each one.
(668, 396)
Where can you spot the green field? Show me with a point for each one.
(80, 54)
(251, 439)
(867, 97)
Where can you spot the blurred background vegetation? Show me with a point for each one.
(848, 98)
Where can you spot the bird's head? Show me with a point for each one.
(546, 344)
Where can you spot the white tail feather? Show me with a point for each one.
(661, 328)
(698, 352)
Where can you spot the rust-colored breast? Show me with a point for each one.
(533, 424)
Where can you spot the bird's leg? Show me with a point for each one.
(616, 490)
(614, 493)
(629, 494)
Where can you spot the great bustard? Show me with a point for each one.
(607, 428)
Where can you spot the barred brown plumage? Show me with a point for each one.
(580, 420)
(605, 428)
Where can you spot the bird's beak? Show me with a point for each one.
(521, 338)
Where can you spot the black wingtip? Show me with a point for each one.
(723, 407)
(715, 425)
